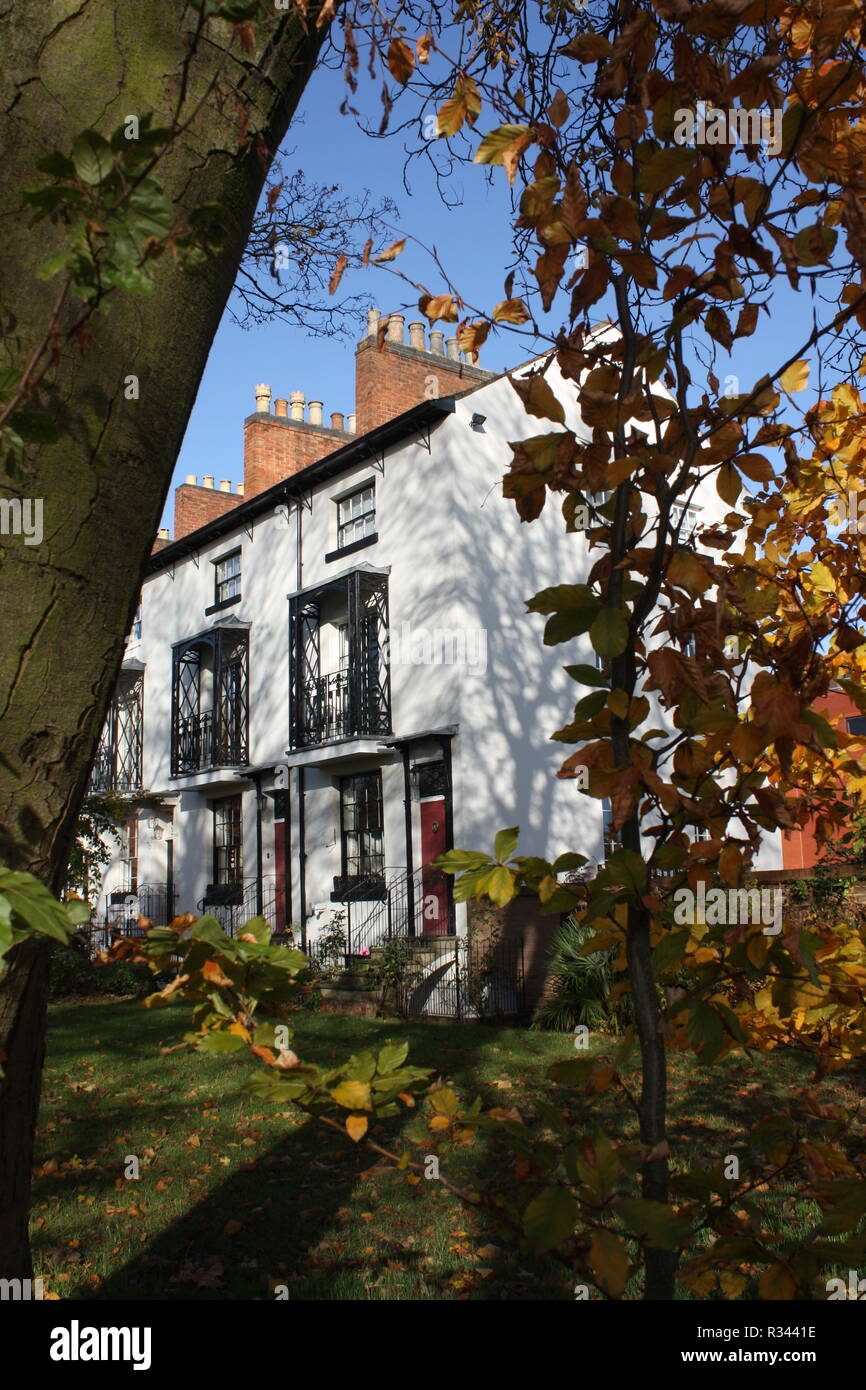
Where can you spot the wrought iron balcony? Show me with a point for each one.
(352, 702)
(203, 742)
(117, 765)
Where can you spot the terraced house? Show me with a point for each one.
(333, 678)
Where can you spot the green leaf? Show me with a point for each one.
(496, 142)
(92, 157)
(609, 632)
(33, 905)
(550, 1218)
(456, 859)
(587, 675)
(207, 928)
(391, 1057)
(220, 1042)
(669, 951)
(563, 626)
(590, 705)
(505, 843)
(658, 1224)
(77, 910)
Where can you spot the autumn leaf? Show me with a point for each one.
(356, 1127)
(777, 1282)
(795, 377)
(609, 1262)
(538, 398)
(401, 60)
(504, 146)
(511, 311)
(391, 252)
(438, 307)
(337, 273)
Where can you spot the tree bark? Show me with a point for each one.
(68, 602)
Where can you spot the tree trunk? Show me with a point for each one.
(68, 601)
(659, 1265)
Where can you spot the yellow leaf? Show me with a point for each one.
(352, 1095)
(794, 378)
(356, 1127)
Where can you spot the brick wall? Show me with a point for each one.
(393, 378)
(196, 506)
(521, 921)
(275, 448)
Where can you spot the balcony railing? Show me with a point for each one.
(329, 710)
(113, 774)
(203, 742)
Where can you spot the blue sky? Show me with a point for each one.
(473, 243)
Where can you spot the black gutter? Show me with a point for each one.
(257, 779)
(367, 446)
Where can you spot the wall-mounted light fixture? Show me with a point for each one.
(477, 423)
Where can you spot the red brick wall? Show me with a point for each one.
(394, 378)
(275, 448)
(196, 506)
(522, 920)
(799, 847)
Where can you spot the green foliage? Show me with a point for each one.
(27, 908)
(582, 984)
(72, 972)
(330, 949)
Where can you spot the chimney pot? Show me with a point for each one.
(298, 400)
(263, 398)
(207, 480)
(372, 322)
(225, 485)
(315, 415)
(453, 349)
(395, 328)
(239, 489)
(437, 341)
(337, 420)
(191, 479)
(281, 408)
(351, 424)
(416, 335)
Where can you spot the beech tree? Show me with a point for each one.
(140, 139)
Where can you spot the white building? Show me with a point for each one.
(333, 677)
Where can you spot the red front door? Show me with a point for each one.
(434, 909)
(280, 875)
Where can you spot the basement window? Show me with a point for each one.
(356, 516)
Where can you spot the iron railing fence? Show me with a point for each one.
(470, 979)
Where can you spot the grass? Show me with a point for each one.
(235, 1197)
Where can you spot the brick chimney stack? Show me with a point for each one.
(391, 378)
(279, 445)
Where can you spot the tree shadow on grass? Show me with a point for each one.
(307, 1210)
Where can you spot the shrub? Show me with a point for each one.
(72, 972)
(581, 985)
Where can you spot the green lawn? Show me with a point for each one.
(235, 1197)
